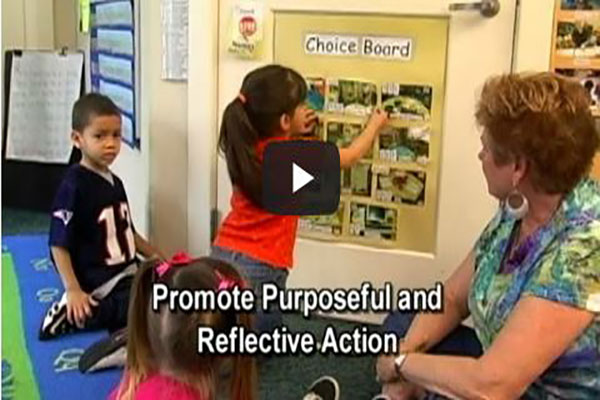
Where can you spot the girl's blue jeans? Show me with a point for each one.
(256, 273)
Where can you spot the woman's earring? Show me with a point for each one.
(516, 205)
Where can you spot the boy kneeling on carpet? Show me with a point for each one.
(92, 239)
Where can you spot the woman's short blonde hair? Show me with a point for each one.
(545, 119)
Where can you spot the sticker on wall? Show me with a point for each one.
(399, 185)
(373, 222)
(329, 224)
(402, 144)
(246, 29)
(412, 102)
(353, 97)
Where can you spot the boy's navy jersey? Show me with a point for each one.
(91, 219)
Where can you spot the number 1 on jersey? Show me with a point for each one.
(107, 218)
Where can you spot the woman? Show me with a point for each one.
(532, 281)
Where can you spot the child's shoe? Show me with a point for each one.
(55, 322)
(110, 352)
(324, 388)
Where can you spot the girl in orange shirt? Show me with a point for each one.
(270, 107)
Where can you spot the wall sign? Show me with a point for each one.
(395, 48)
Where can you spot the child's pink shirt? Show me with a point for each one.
(161, 387)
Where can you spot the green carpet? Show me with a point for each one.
(19, 382)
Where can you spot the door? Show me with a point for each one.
(415, 233)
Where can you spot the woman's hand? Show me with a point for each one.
(402, 391)
(386, 369)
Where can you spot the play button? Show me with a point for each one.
(300, 178)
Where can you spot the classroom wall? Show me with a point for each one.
(27, 24)
(66, 23)
(167, 112)
(156, 176)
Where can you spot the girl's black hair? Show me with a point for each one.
(266, 94)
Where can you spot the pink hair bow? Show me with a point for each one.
(224, 282)
(180, 258)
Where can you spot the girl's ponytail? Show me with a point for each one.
(237, 141)
(138, 343)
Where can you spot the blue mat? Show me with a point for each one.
(54, 362)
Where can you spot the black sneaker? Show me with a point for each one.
(55, 321)
(110, 352)
(324, 388)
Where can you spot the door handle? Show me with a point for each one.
(487, 8)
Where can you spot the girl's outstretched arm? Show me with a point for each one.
(361, 145)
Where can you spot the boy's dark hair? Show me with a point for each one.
(91, 105)
(266, 94)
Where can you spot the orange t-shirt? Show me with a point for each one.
(255, 232)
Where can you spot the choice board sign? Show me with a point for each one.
(397, 48)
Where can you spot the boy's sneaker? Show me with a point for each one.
(55, 321)
(110, 352)
(324, 388)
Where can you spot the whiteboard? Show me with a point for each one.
(44, 86)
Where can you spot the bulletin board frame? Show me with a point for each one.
(400, 224)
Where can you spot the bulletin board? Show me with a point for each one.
(389, 199)
(576, 44)
(113, 60)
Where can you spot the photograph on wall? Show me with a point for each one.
(353, 97)
(329, 224)
(373, 222)
(579, 39)
(589, 79)
(357, 180)
(396, 185)
(315, 95)
(580, 5)
(404, 144)
(410, 102)
(343, 133)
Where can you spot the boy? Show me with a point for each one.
(92, 239)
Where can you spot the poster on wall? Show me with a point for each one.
(246, 29)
